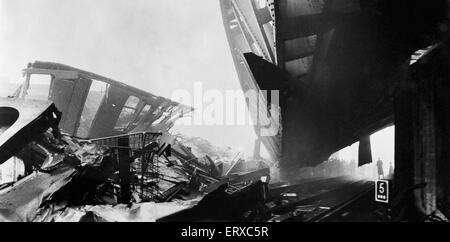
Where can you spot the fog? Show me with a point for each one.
(157, 46)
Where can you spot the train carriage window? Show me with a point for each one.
(127, 114)
(94, 99)
(143, 112)
(39, 87)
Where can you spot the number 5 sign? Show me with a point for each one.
(382, 191)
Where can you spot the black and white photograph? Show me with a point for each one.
(236, 111)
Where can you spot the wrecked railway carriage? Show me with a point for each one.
(94, 106)
(98, 150)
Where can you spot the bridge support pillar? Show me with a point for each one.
(422, 133)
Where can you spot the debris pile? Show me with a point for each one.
(130, 177)
(133, 169)
(136, 177)
(143, 176)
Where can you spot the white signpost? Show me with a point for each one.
(382, 191)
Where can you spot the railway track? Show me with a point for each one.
(330, 197)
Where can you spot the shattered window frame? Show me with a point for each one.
(123, 122)
(28, 88)
(83, 128)
(143, 112)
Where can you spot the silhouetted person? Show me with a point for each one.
(380, 169)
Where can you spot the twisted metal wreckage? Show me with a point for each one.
(94, 149)
(98, 150)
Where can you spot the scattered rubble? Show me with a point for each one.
(130, 177)
(142, 176)
(135, 172)
(139, 177)
(109, 156)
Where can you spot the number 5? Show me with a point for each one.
(381, 188)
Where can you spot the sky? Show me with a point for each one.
(382, 144)
(158, 46)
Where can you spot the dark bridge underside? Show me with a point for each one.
(358, 59)
(349, 93)
(315, 125)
